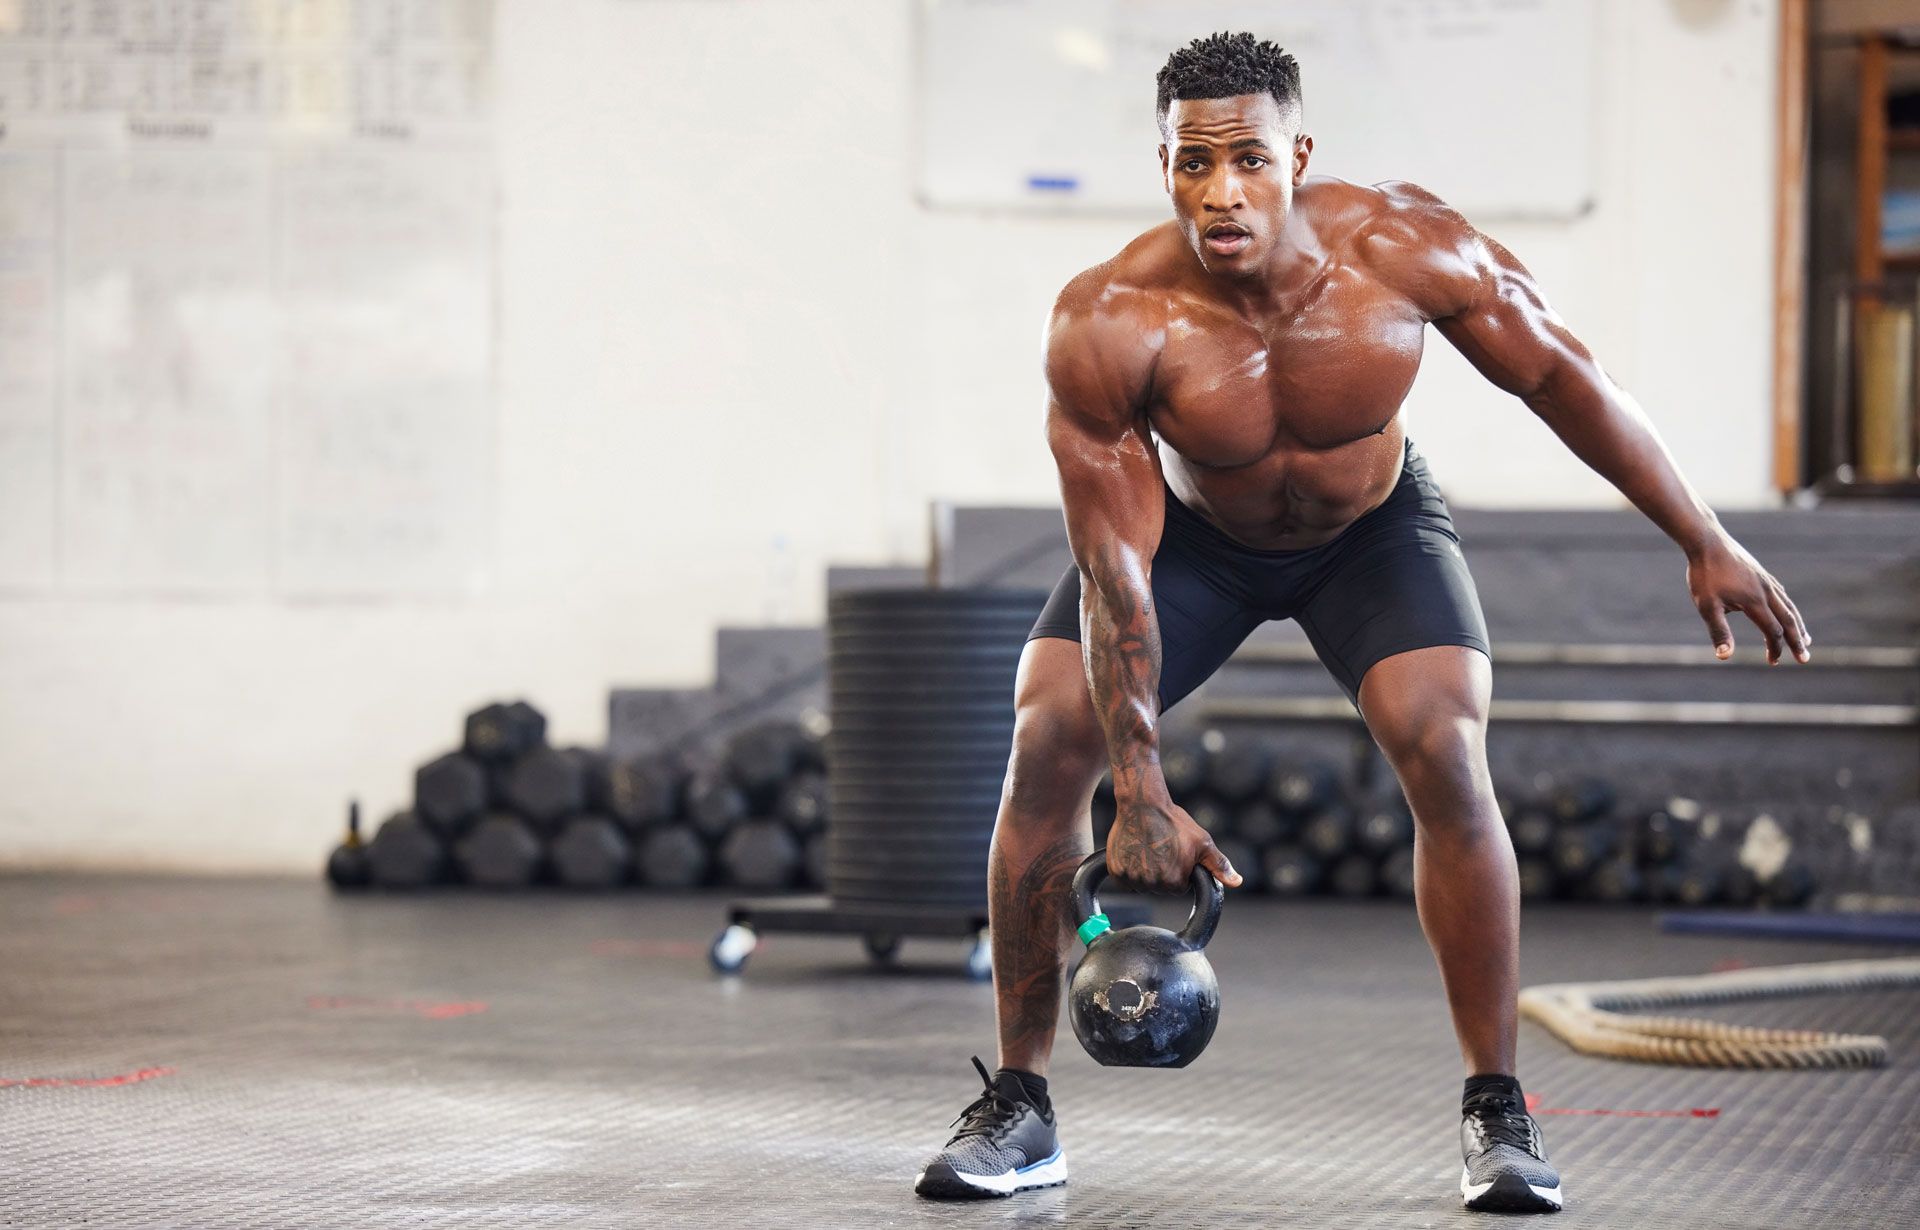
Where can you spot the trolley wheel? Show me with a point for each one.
(980, 958)
(732, 947)
(881, 946)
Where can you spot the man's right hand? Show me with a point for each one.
(1156, 845)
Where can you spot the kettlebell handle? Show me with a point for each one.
(1208, 898)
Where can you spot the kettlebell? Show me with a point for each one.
(347, 866)
(1144, 997)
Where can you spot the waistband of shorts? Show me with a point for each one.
(1413, 468)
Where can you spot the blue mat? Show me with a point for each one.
(1863, 928)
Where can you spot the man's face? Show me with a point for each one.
(1231, 166)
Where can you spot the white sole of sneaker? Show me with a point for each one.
(1047, 1172)
(1474, 1191)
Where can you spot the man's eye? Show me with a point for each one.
(1255, 161)
(1191, 164)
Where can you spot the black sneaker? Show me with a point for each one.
(1003, 1146)
(1506, 1164)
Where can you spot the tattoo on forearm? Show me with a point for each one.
(1032, 934)
(1121, 639)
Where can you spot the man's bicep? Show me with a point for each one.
(1470, 288)
(1110, 485)
(1098, 373)
(1500, 318)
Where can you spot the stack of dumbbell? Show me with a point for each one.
(508, 811)
(760, 812)
(1294, 827)
(1574, 842)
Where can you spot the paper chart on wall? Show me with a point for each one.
(246, 257)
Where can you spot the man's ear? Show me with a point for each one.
(1164, 183)
(1302, 150)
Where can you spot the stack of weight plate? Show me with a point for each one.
(920, 684)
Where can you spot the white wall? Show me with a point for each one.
(732, 349)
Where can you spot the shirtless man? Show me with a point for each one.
(1224, 413)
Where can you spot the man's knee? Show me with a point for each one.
(1440, 758)
(1427, 709)
(1439, 742)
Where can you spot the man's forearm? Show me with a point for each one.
(1120, 637)
(1606, 428)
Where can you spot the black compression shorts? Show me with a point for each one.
(1392, 581)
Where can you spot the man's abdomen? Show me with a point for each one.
(1294, 498)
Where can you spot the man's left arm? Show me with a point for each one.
(1488, 306)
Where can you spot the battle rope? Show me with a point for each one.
(1591, 1016)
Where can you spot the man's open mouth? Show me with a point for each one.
(1226, 238)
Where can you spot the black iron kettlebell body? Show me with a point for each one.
(1144, 997)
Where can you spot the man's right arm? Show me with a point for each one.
(1099, 370)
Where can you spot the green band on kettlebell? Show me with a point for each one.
(1094, 928)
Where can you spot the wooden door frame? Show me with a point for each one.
(1790, 250)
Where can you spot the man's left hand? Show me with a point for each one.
(1724, 577)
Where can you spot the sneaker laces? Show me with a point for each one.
(989, 1113)
(1504, 1120)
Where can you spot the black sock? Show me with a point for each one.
(1506, 1086)
(1026, 1086)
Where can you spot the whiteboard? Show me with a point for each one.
(246, 297)
(1048, 105)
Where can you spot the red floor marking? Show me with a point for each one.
(83, 1082)
(431, 1009)
(1726, 965)
(1697, 1112)
(72, 903)
(647, 948)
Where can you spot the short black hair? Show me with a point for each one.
(1224, 65)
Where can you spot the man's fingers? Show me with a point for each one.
(1129, 879)
(1762, 616)
(1789, 625)
(1143, 876)
(1786, 600)
(1217, 863)
(1717, 626)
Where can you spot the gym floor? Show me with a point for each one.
(262, 1054)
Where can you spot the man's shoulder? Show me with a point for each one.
(1359, 216)
(1397, 233)
(1109, 321)
(1136, 278)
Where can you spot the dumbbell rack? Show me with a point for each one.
(881, 928)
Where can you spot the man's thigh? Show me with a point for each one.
(1400, 585)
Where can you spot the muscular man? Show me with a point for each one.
(1224, 413)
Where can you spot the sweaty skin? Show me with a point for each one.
(1255, 351)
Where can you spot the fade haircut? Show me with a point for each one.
(1225, 65)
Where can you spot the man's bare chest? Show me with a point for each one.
(1228, 393)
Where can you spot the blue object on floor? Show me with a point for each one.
(1865, 928)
